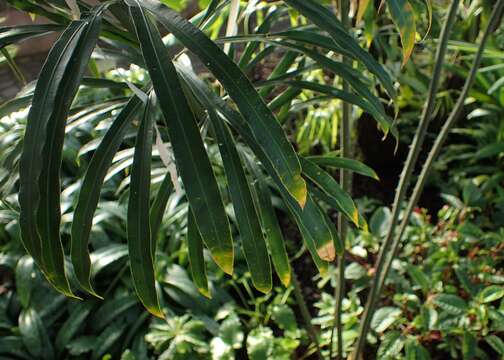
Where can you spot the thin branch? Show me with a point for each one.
(305, 314)
(345, 180)
(440, 139)
(405, 178)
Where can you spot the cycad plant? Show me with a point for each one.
(179, 115)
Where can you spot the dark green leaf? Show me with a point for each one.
(52, 76)
(139, 230)
(273, 233)
(331, 187)
(49, 211)
(34, 335)
(324, 18)
(90, 192)
(253, 243)
(196, 258)
(158, 208)
(12, 34)
(343, 163)
(490, 150)
(266, 129)
(24, 279)
(314, 227)
(190, 156)
(73, 324)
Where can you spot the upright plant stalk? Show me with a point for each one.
(440, 139)
(405, 179)
(345, 181)
(305, 314)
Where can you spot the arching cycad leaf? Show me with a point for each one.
(265, 128)
(10, 35)
(249, 226)
(47, 96)
(48, 213)
(331, 187)
(192, 161)
(324, 18)
(314, 228)
(273, 233)
(343, 163)
(196, 257)
(89, 194)
(158, 208)
(140, 244)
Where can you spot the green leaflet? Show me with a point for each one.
(34, 335)
(338, 94)
(252, 46)
(140, 244)
(253, 243)
(331, 187)
(12, 34)
(324, 18)
(344, 163)
(52, 76)
(210, 10)
(90, 192)
(322, 265)
(192, 161)
(282, 67)
(196, 258)
(404, 19)
(285, 38)
(49, 213)
(370, 103)
(72, 325)
(284, 99)
(247, 218)
(319, 234)
(490, 150)
(273, 233)
(452, 304)
(158, 208)
(266, 129)
(314, 228)
(15, 104)
(24, 280)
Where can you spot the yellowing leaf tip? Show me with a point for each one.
(224, 260)
(327, 252)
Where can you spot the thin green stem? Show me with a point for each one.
(404, 180)
(305, 314)
(13, 66)
(440, 139)
(346, 184)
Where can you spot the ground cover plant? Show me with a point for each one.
(183, 180)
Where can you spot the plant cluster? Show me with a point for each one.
(162, 170)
